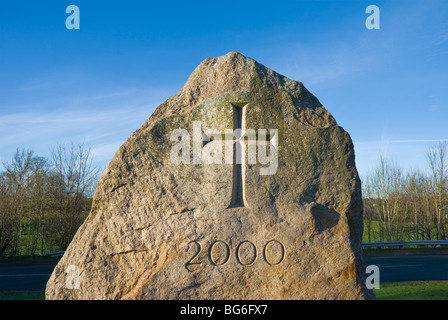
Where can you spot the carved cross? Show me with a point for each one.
(239, 154)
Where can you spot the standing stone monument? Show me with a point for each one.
(240, 186)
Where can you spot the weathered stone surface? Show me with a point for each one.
(159, 230)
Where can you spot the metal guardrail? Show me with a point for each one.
(405, 243)
(53, 254)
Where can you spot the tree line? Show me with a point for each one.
(44, 201)
(410, 205)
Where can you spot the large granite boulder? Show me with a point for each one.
(185, 211)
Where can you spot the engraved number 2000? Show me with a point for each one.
(245, 261)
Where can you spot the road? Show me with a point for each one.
(410, 267)
(25, 276)
(34, 276)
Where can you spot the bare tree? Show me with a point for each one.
(73, 179)
(39, 198)
(411, 206)
(370, 214)
(384, 190)
(416, 204)
(43, 203)
(437, 159)
(18, 175)
(8, 220)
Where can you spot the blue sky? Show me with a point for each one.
(386, 87)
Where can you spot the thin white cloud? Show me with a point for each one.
(103, 120)
(401, 141)
(408, 153)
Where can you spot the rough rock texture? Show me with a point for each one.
(159, 230)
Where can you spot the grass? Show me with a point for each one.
(415, 290)
(406, 232)
(22, 295)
